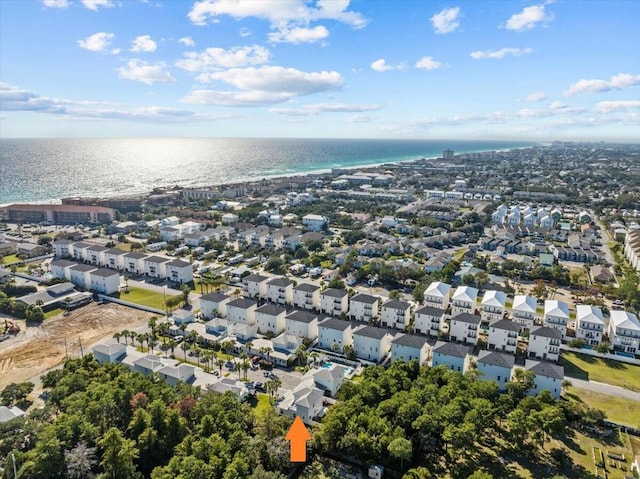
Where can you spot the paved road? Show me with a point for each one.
(603, 388)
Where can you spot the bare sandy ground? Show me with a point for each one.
(35, 350)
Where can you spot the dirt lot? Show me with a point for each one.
(35, 350)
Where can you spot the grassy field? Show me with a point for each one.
(10, 259)
(601, 370)
(145, 297)
(620, 410)
(53, 312)
(260, 403)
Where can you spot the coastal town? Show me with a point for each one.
(516, 267)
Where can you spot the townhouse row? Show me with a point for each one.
(120, 260)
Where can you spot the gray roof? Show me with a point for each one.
(271, 309)
(157, 259)
(306, 287)
(496, 358)
(302, 316)
(507, 324)
(63, 263)
(333, 323)
(364, 298)
(409, 340)
(176, 263)
(543, 368)
(62, 241)
(81, 244)
(214, 297)
(105, 273)
(372, 332)
(83, 267)
(452, 349)
(399, 305)
(98, 248)
(335, 293)
(242, 303)
(61, 288)
(430, 311)
(255, 278)
(280, 282)
(135, 255)
(9, 413)
(467, 318)
(546, 332)
(116, 251)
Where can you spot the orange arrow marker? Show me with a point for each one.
(298, 437)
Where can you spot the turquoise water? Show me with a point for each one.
(625, 355)
(46, 169)
(328, 364)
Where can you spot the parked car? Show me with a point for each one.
(178, 339)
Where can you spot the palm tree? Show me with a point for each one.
(246, 364)
(183, 328)
(227, 346)
(125, 335)
(195, 349)
(566, 384)
(301, 353)
(151, 343)
(237, 365)
(153, 321)
(184, 346)
(172, 346)
(117, 336)
(140, 338)
(220, 363)
(314, 355)
(163, 328)
(248, 346)
(185, 293)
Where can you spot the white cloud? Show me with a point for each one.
(446, 21)
(528, 18)
(617, 82)
(280, 14)
(95, 4)
(149, 73)
(97, 42)
(317, 108)
(359, 119)
(245, 32)
(299, 35)
(428, 63)
(536, 96)
(556, 105)
(211, 59)
(380, 65)
(55, 3)
(187, 42)
(616, 105)
(143, 43)
(264, 86)
(497, 54)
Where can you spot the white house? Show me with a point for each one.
(133, 262)
(407, 347)
(495, 366)
(556, 315)
(334, 334)
(61, 268)
(302, 324)
(371, 343)
(109, 353)
(544, 343)
(214, 304)
(8, 413)
(334, 301)
(270, 317)
(589, 324)
(242, 310)
(148, 364)
(395, 314)
(238, 388)
(304, 402)
(280, 291)
(328, 379)
(464, 328)
(62, 248)
(492, 305)
(105, 281)
(155, 266)
(79, 250)
(503, 335)
(114, 258)
(255, 286)
(183, 316)
(81, 275)
(452, 355)
(549, 376)
(437, 295)
(179, 373)
(464, 300)
(306, 296)
(229, 219)
(95, 255)
(363, 307)
(624, 331)
(179, 271)
(314, 222)
(428, 320)
(523, 310)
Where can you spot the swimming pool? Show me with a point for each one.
(328, 364)
(625, 355)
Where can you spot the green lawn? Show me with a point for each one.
(601, 370)
(620, 410)
(261, 403)
(53, 312)
(10, 259)
(145, 297)
(459, 254)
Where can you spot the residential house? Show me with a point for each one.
(179, 373)
(304, 402)
(62, 248)
(255, 286)
(224, 385)
(114, 258)
(328, 379)
(148, 364)
(302, 324)
(81, 275)
(437, 295)
(179, 271)
(407, 347)
(371, 343)
(395, 314)
(280, 291)
(270, 318)
(428, 320)
(214, 304)
(313, 222)
(8, 413)
(109, 353)
(624, 331)
(464, 328)
(306, 296)
(183, 316)
(61, 268)
(464, 300)
(493, 305)
(556, 315)
(495, 366)
(523, 310)
(79, 250)
(105, 281)
(154, 266)
(549, 376)
(544, 343)
(96, 255)
(334, 334)
(242, 310)
(363, 307)
(334, 301)
(503, 335)
(589, 324)
(452, 355)
(133, 262)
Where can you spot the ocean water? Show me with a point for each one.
(48, 169)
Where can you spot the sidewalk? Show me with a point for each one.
(603, 388)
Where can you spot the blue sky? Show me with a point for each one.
(565, 70)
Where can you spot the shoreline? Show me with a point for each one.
(253, 179)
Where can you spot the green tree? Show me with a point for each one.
(80, 461)
(118, 454)
(400, 448)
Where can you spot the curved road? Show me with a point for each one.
(603, 388)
